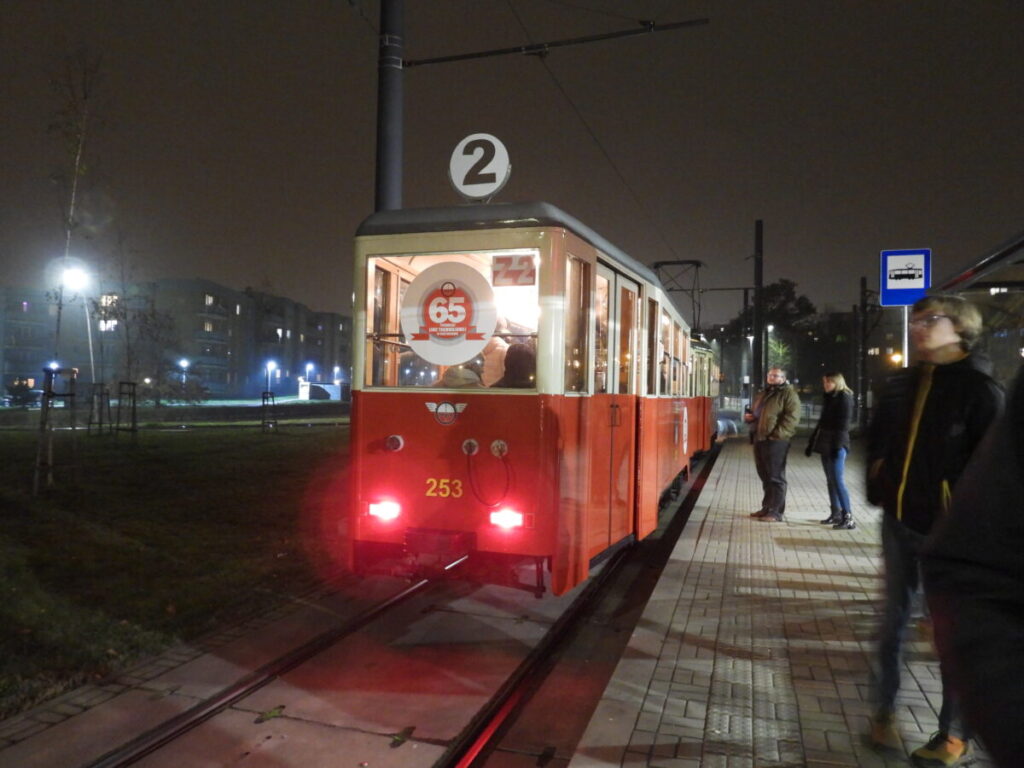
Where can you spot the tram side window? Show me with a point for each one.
(628, 319)
(383, 357)
(677, 360)
(577, 309)
(602, 308)
(665, 349)
(652, 347)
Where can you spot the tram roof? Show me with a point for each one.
(1006, 259)
(495, 216)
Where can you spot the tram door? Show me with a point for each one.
(613, 420)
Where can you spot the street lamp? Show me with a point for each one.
(271, 367)
(184, 370)
(75, 279)
(309, 370)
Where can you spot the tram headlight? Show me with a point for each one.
(507, 518)
(385, 510)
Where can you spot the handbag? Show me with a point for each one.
(823, 439)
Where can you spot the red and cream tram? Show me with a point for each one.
(524, 393)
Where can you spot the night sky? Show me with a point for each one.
(235, 139)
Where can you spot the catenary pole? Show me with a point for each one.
(757, 376)
(389, 106)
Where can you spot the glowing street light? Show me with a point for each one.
(184, 369)
(309, 370)
(75, 279)
(271, 367)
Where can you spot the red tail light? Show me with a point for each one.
(507, 518)
(385, 510)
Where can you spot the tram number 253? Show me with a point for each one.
(444, 487)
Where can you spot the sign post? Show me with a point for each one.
(906, 276)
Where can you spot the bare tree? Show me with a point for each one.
(75, 87)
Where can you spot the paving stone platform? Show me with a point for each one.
(757, 647)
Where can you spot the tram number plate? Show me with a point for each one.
(513, 270)
(445, 487)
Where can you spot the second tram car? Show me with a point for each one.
(524, 393)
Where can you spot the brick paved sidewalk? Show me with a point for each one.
(756, 648)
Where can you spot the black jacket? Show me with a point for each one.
(974, 577)
(960, 402)
(833, 429)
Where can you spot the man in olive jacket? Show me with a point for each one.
(773, 418)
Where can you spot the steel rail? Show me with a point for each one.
(155, 738)
(490, 721)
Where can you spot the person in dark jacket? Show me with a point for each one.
(773, 418)
(973, 569)
(831, 439)
(926, 426)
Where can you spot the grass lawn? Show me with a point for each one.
(143, 542)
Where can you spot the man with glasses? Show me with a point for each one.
(928, 422)
(773, 418)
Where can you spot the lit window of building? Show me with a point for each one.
(107, 325)
(208, 326)
(209, 300)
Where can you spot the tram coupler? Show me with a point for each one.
(432, 551)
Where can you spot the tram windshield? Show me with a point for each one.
(455, 320)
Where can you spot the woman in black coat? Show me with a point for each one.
(831, 438)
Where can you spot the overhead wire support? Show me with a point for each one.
(673, 281)
(540, 49)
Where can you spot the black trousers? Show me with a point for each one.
(770, 460)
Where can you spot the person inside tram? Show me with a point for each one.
(520, 368)
(494, 359)
(831, 439)
(459, 377)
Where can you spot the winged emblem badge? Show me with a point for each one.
(444, 412)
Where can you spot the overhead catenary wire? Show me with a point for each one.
(542, 48)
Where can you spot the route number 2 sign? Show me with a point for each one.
(479, 166)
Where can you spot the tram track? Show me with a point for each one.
(485, 736)
(152, 740)
(473, 726)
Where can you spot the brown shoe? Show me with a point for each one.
(770, 517)
(759, 513)
(943, 751)
(884, 735)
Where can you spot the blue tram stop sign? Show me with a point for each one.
(906, 276)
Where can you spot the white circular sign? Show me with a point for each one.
(448, 313)
(479, 166)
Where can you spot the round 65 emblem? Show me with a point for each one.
(479, 166)
(448, 313)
